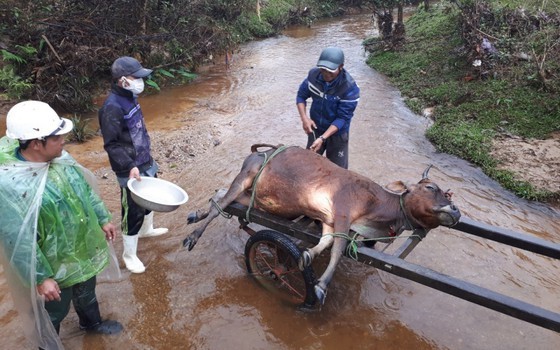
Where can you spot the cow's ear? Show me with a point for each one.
(397, 187)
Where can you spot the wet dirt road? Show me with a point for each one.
(204, 299)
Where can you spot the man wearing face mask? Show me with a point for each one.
(127, 143)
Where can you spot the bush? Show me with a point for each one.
(504, 94)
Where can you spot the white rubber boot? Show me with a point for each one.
(148, 230)
(133, 264)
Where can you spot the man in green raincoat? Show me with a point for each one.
(53, 228)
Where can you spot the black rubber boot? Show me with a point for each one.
(89, 316)
(106, 327)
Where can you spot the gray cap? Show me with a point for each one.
(124, 66)
(331, 58)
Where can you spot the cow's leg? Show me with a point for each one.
(341, 226)
(242, 182)
(336, 253)
(234, 191)
(308, 255)
(196, 216)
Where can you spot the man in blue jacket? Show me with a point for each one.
(335, 96)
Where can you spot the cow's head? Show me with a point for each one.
(425, 204)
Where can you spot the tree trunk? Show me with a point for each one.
(385, 25)
(144, 17)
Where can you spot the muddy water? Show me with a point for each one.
(203, 299)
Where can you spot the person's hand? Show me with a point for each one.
(308, 125)
(134, 173)
(316, 145)
(49, 289)
(110, 231)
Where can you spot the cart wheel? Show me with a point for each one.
(272, 259)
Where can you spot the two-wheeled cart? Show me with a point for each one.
(272, 259)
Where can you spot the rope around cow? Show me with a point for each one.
(352, 248)
(254, 188)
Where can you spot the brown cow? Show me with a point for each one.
(296, 181)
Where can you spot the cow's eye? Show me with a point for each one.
(431, 187)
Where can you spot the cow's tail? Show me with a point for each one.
(255, 148)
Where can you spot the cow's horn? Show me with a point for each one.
(425, 173)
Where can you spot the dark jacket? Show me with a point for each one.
(332, 103)
(125, 137)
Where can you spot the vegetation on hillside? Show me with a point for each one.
(487, 68)
(60, 51)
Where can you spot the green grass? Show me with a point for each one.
(432, 70)
(81, 131)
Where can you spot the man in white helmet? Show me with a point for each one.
(54, 227)
(334, 95)
(127, 144)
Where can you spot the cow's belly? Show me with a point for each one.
(369, 231)
(292, 204)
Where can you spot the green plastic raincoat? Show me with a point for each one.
(50, 227)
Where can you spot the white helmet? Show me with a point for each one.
(30, 120)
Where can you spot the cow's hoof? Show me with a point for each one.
(189, 243)
(321, 294)
(192, 218)
(304, 260)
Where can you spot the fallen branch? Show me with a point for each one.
(52, 48)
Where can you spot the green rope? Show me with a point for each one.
(401, 201)
(222, 212)
(254, 189)
(352, 248)
(410, 227)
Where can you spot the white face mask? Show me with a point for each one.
(135, 86)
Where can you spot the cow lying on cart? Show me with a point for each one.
(290, 182)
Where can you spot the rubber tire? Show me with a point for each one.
(291, 250)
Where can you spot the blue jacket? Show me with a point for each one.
(332, 103)
(125, 137)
